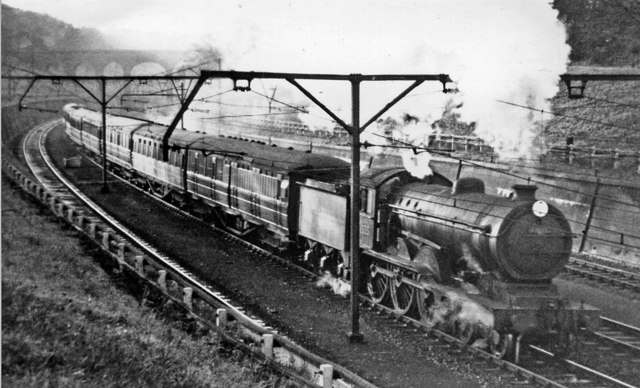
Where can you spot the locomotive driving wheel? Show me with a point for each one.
(377, 286)
(402, 296)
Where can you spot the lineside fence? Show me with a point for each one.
(230, 327)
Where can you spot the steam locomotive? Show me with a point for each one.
(451, 255)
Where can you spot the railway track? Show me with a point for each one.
(604, 274)
(537, 365)
(53, 181)
(69, 202)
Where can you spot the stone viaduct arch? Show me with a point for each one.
(102, 62)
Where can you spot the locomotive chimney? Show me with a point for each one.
(524, 192)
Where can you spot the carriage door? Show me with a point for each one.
(196, 170)
(233, 185)
(254, 186)
(367, 217)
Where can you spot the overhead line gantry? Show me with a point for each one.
(242, 82)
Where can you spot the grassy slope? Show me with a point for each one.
(64, 323)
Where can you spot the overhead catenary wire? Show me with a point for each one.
(470, 162)
(563, 115)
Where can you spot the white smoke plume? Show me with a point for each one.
(472, 262)
(495, 50)
(417, 164)
(337, 285)
(459, 307)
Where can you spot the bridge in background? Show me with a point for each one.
(92, 62)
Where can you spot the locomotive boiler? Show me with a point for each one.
(447, 253)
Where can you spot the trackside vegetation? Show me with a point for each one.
(66, 322)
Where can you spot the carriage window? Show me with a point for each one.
(364, 199)
(202, 163)
(192, 161)
(219, 170)
(211, 166)
(284, 189)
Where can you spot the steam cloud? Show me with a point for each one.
(337, 285)
(495, 50)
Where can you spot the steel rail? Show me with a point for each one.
(138, 241)
(262, 328)
(623, 328)
(585, 368)
(604, 273)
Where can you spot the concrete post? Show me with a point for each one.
(105, 240)
(92, 230)
(121, 255)
(140, 265)
(187, 297)
(267, 345)
(327, 375)
(162, 280)
(221, 319)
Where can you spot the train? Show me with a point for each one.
(448, 254)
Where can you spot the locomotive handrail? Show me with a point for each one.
(486, 229)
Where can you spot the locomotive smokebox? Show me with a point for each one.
(521, 238)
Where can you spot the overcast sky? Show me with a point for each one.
(363, 34)
(509, 50)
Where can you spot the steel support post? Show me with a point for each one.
(354, 246)
(103, 104)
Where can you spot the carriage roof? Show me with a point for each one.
(260, 155)
(126, 123)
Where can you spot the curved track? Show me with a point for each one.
(538, 366)
(541, 370)
(61, 194)
(52, 180)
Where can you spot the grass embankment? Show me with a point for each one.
(66, 323)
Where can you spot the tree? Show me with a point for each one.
(202, 56)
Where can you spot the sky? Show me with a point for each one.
(507, 50)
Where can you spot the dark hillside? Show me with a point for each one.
(26, 34)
